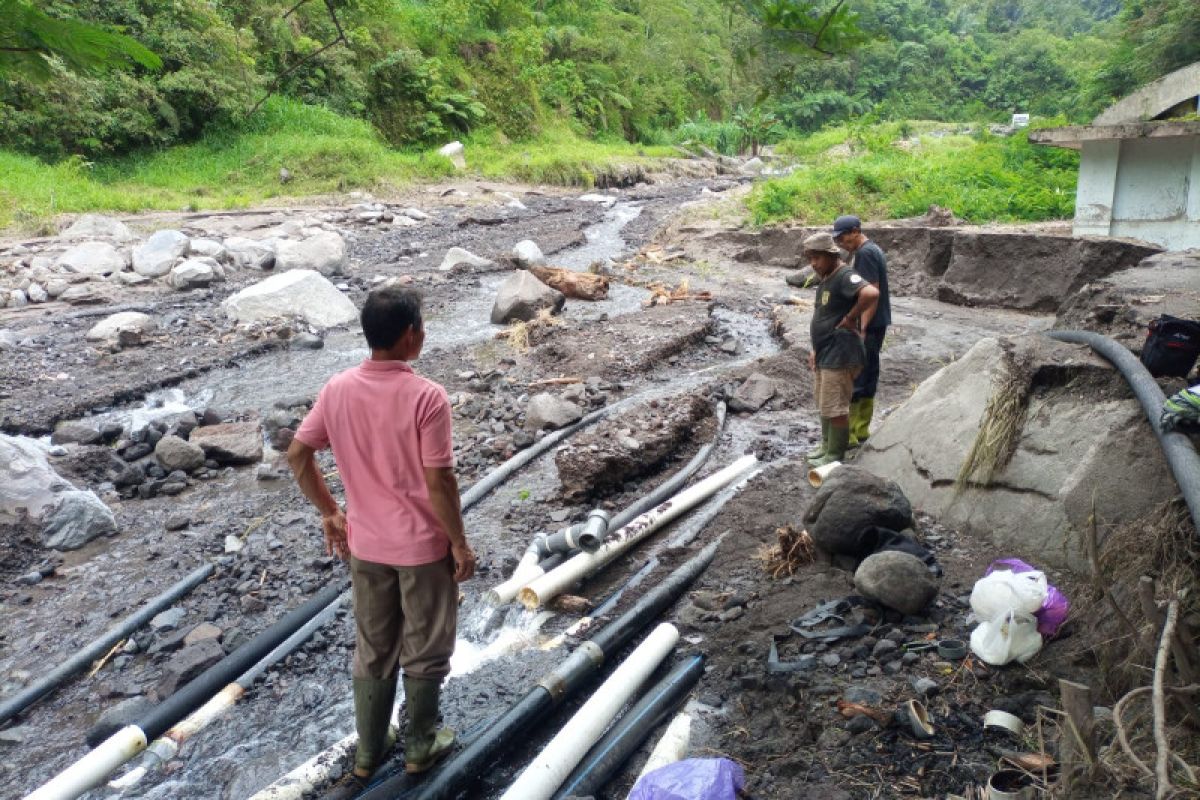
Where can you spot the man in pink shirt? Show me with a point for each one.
(402, 529)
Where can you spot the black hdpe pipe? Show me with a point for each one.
(564, 680)
(1178, 449)
(126, 743)
(610, 753)
(78, 662)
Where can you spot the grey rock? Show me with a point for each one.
(753, 394)
(78, 518)
(527, 254)
(177, 522)
(883, 648)
(454, 152)
(324, 252)
(861, 724)
(36, 293)
(210, 248)
(849, 503)
(173, 453)
(296, 293)
(187, 664)
(457, 256)
(898, 580)
(230, 442)
(74, 433)
(168, 620)
(307, 341)
(252, 605)
(925, 687)
(97, 226)
(93, 258)
(548, 412)
(109, 329)
(15, 735)
(194, 273)
(251, 253)
(521, 296)
(129, 711)
(17, 299)
(159, 253)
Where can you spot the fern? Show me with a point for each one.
(31, 42)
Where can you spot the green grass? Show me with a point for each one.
(982, 178)
(324, 152)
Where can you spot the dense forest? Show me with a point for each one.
(644, 71)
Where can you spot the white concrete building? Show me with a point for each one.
(1139, 167)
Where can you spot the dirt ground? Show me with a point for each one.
(784, 729)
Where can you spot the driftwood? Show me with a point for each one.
(576, 285)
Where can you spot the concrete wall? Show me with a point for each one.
(1141, 188)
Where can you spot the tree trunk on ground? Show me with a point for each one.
(577, 285)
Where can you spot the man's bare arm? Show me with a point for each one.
(302, 459)
(443, 494)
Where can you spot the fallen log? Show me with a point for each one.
(576, 285)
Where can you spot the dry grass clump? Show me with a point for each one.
(794, 549)
(521, 335)
(1001, 426)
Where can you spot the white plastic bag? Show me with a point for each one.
(1012, 637)
(996, 594)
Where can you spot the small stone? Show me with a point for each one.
(167, 620)
(883, 648)
(860, 724)
(177, 522)
(187, 664)
(925, 687)
(205, 630)
(233, 544)
(831, 659)
(307, 341)
(174, 453)
(734, 613)
(252, 605)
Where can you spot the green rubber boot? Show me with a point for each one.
(839, 440)
(818, 453)
(373, 702)
(424, 743)
(861, 412)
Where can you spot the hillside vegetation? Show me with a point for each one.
(359, 93)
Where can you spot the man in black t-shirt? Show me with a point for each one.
(845, 304)
(869, 262)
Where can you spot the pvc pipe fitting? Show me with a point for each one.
(918, 719)
(817, 475)
(952, 649)
(1009, 784)
(1003, 720)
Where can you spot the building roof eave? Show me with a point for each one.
(1073, 136)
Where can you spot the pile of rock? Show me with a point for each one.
(104, 251)
(375, 214)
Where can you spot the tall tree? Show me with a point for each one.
(31, 41)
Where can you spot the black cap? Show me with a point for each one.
(845, 224)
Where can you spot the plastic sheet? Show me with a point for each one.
(691, 779)
(1055, 606)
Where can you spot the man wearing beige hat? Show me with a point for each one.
(845, 304)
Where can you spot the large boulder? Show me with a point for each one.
(91, 226)
(527, 254)
(753, 394)
(521, 296)
(111, 327)
(29, 485)
(549, 412)
(850, 505)
(173, 453)
(230, 442)
(93, 258)
(1083, 440)
(251, 253)
(324, 252)
(210, 248)
(297, 293)
(898, 580)
(159, 253)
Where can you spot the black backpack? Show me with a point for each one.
(1172, 346)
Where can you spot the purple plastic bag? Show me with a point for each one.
(1053, 612)
(691, 779)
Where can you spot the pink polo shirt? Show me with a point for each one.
(385, 424)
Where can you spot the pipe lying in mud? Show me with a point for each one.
(634, 727)
(126, 743)
(1180, 454)
(673, 745)
(165, 747)
(78, 662)
(533, 566)
(581, 566)
(560, 755)
(455, 775)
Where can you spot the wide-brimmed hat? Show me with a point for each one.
(821, 243)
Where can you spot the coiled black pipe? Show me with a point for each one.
(80, 660)
(565, 679)
(610, 753)
(1180, 454)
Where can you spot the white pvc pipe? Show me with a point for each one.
(673, 745)
(580, 566)
(552, 766)
(91, 770)
(526, 572)
(817, 475)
